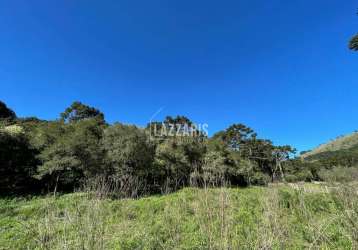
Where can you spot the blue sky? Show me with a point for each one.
(281, 67)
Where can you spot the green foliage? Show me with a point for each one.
(129, 157)
(353, 44)
(335, 165)
(217, 168)
(339, 174)
(128, 149)
(179, 119)
(177, 159)
(81, 147)
(78, 111)
(70, 152)
(303, 175)
(17, 162)
(6, 113)
(243, 141)
(345, 157)
(300, 170)
(237, 135)
(259, 178)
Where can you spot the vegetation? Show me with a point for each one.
(340, 143)
(5, 112)
(80, 146)
(336, 160)
(276, 217)
(170, 186)
(62, 155)
(102, 162)
(354, 43)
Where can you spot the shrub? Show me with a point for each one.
(259, 178)
(339, 174)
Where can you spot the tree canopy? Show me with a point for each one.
(78, 111)
(80, 147)
(353, 45)
(5, 112)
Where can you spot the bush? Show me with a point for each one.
(339, 174)
(259, 178)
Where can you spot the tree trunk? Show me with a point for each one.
(55, 190)
(281, 171)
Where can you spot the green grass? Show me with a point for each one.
(277, 217)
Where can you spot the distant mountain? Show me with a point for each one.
(342, 143)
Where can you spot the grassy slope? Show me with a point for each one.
(340, 143)
(274, 217)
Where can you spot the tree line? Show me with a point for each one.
(80, 147)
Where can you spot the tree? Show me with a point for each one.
(129, 155)
(216, 168)
(281, 154)
(70, 149)
(179, 119)
(243, 143)
(6, 113)
(78, 111)
(353, 45)
(174, 126)
(236, 135)
(267, 156)
(176, 158)
(17, 161)
(298, 169)
(71, 152)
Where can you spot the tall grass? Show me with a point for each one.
(209, 217)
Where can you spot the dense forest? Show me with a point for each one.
(81, 147)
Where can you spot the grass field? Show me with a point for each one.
(275, 217)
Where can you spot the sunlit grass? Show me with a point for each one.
(277, 217)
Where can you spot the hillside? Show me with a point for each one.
(275, 217)
(340, 143)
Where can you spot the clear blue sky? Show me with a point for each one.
(281, 67)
